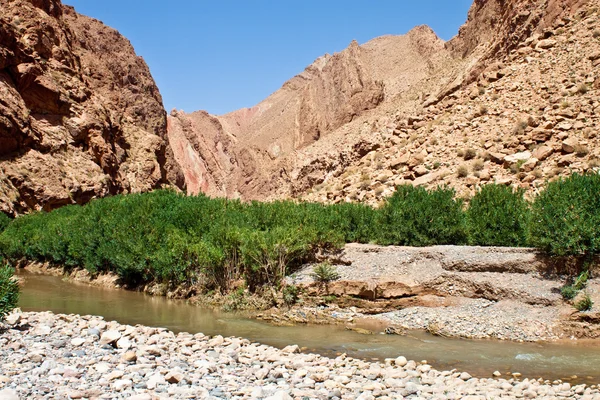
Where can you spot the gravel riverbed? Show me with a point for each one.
(46, 355)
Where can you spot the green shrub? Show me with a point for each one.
(4, 221)
(414, 216)
(325, 273)
(568, 292)
(565, 218)
(581, 281)
(9, 290)
(290, 294)
(585, 304)
(498, 216)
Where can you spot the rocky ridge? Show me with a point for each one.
(511, 99)
(250, 152)
(80, 115)
(528, 117)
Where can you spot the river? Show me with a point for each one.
(478, 357)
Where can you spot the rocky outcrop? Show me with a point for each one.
(80, 115)
(517, 81)
(248, 152)
(494, 28)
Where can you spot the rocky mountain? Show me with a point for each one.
(80, 115)
(511, 99)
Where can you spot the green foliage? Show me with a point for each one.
(568, 292)
(414, 216)
(169, 238)
(9, 290)
(325, 273)
(4, 221)
(581, 280)
(290, 294)
(236, 301)
(330, 298)
(585, 304)
(498, 216)
(565, 217)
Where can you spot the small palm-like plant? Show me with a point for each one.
(325, 273)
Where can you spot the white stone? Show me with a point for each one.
(291, 349)
(124, 343)
(401, 361)
(13, 318)
(110, 337)
(281, 395)
(155, 380)
(465, 376)
(122, 384)
(141, 396)
(8, 394)
(515, 158)
(77, 342)
(102, 367)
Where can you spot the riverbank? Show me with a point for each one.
(454, 291)
(71, 356)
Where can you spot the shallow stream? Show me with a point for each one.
(478, 357)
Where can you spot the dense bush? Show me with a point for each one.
(566, 216)
(414, 216)
(4, 221)
(498, 216)
(167, 237)
(9, 290)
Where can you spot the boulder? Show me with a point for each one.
(569, 145)
(543, 152)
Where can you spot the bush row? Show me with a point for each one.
(167, 237)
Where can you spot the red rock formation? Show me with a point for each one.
(80, 115)
(245, 153)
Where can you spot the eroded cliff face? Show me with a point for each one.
(496, 27)
(246, 153)
(80, 115)
(402, 109)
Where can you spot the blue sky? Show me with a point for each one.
(227, 54)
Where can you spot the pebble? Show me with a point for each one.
(8, 394)
(156, 363)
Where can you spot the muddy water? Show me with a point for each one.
(480, 358)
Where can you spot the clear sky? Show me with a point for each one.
(222, 55)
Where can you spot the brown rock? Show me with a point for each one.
(485, 175)
(420, 171)
(543, 152)
(129, 356)
(569, 145)
(546, 44)
(174, 377)
(564, 126)
(529, 165)
(400, 161)
(69, 129)
(498, 158)
(541, 134)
